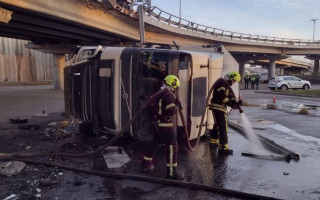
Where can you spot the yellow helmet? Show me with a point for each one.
(172, 81)
(234, 76)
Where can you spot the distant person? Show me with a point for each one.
(246, 81)
(252, 80)
(257, 81)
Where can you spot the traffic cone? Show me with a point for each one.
(274, 99)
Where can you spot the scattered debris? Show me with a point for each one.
(10, 168)
(304, 111)
(286, 173)
(77, 182)
(28, 147)
(29, 127)
(271, 106)
(115, 157)
(11, 197)
(246, 103)
(48, 182)
(18, 121)
(61, 124)
(110, 131)
(43, 114)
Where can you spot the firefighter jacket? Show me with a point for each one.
(166, 109)
(223, 96)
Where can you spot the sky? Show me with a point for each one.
(274, 18)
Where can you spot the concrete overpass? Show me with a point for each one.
(56, 26)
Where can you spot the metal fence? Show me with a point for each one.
(178, 22)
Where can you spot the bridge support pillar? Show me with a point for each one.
(316, 68)
(241, 69)
(58, 65)
(281, 71)
(272, 68)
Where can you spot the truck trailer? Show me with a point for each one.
(105, 86)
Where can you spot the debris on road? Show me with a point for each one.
(29, 127)
(48, 182)
(304, 111)
(18, 121)
(43, 114)
(11, 197)
(10, 168)
(271, 106)
(61, 124)
(115, 157)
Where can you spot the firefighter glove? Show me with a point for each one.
(235, 105)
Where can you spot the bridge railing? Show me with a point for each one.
(181, 23)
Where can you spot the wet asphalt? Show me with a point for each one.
(266, 177)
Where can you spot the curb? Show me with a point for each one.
(287, 94)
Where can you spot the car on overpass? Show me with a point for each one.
(288, 82)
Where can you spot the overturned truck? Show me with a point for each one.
(105, 86)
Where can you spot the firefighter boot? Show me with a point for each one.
(174, 174)
(147, 165)
(224, 149)
(214, 143)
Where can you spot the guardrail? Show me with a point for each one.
(178, 22)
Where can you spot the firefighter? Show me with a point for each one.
(222, 97)
(166, 131)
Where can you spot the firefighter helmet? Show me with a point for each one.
(234, 76)
(172, 81)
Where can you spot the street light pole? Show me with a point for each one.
(314, 27)
(180, 10)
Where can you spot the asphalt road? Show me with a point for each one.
(25, 101)
(271, 178)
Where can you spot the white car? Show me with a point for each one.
(288, 82)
